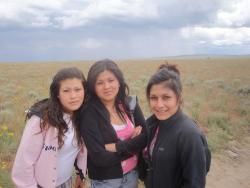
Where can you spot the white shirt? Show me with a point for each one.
(67, 153)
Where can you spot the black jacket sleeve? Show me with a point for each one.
(193, 160)
(94, 141)
(137, 143)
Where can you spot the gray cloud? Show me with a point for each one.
(74, 29)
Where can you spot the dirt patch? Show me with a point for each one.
(231, 168)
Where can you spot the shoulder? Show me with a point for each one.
(132, 101)
(90, 111)
(87, 110)
(33, 123)
(187, 124)
(38, 108)
(33, 126)
(32, 132)
(188, 128)
(89, 117)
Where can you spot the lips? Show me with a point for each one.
(108, 93)
(160, 111)
(74, 103)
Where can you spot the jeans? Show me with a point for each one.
(129, 180)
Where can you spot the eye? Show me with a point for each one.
(165, 97)
(65, 90)
(153, 98)
(111, 80)
(78, 89)
(99, 83)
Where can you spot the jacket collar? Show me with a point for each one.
(153, 121)
(171, 120)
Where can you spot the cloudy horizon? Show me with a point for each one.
(45, 30)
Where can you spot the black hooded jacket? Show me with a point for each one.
(97, 131)
(179, 154)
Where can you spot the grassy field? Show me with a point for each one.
(216, 94)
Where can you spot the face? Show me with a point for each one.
(107, 87)
(163, 101)
(71, 94)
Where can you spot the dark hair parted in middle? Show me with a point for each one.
(169, 75)
(107, 65)
(54, 113)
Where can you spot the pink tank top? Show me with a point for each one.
(125, 133)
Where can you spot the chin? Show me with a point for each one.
(162, 117)
(74, 108)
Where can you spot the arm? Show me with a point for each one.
(112, 147)
(94, 142)
(81, 166)
(193, 161)
(23, 174)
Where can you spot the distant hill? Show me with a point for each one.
(205, 56)
(179, 57)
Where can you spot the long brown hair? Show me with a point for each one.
(51, 110)
(99, 67)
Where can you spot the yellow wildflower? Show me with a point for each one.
(4, 128)
(3, 167)
(11, 134)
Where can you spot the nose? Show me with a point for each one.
(72, 94)
(159, 103)
(106, 85)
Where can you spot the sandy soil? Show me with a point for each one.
(231, 168)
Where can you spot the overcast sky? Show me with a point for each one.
(38, 30)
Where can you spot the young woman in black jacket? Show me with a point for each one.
(177, 148)
(106, 119)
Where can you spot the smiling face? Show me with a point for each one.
(107, 87)
(163, 101)
(71, 94)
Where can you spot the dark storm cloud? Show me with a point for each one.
(64, 29)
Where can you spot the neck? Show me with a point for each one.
(69, 113)
(110, 107)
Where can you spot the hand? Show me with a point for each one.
(79, 183)
(110, 147)
(137, 131)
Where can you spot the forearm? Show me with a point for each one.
(133, 145)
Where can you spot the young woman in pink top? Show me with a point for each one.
(106, 119)
(51, 143)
